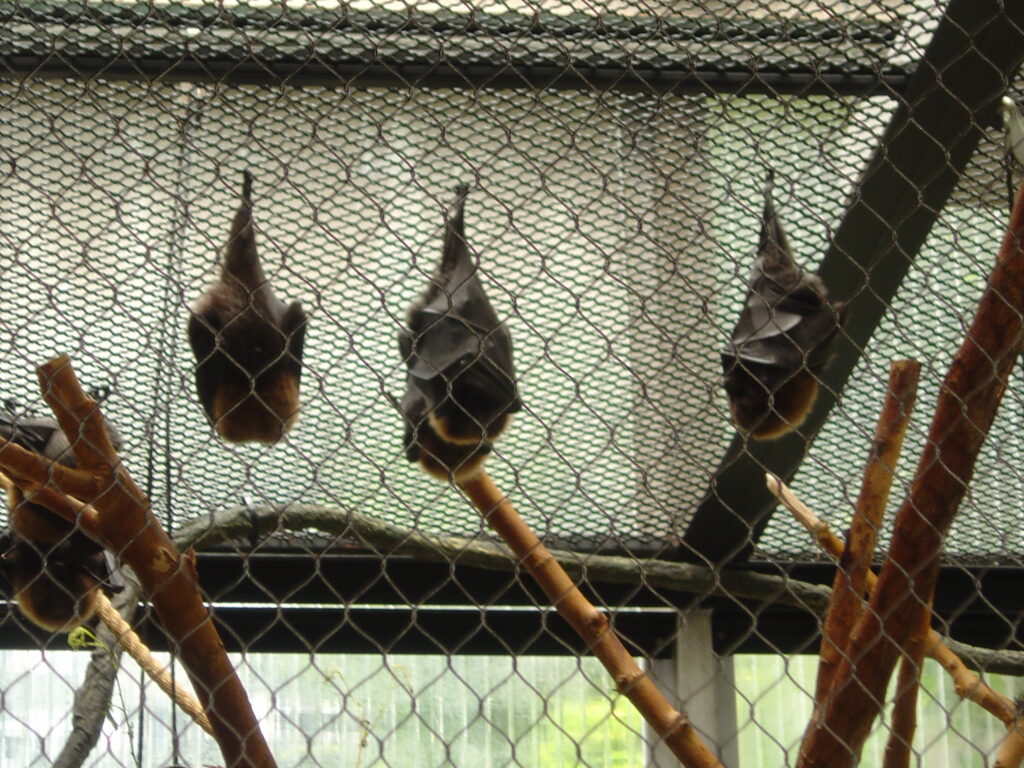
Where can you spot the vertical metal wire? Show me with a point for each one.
(167, 345)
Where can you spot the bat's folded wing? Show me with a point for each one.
(202, 336)
(447, 344)
(452, 348)
(293, 325)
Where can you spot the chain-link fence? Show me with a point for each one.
(615, 156)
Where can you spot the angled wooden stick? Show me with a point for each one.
(967, 404)
(849, 584)
(138, 650)
(126, 526)
(967, 684)
(590, 624)
(1011, 751)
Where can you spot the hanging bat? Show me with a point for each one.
(782, 341)
(54, 586)
(247, 343)
(460, 387)
(52, 567)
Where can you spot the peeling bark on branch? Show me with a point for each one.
(967, 404)
(127, 527)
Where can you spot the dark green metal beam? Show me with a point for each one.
(974, 54)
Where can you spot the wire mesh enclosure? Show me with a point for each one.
(616, 156)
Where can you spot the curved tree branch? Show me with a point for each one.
(126, 526)
(245, 522)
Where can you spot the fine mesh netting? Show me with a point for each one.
(616, 156)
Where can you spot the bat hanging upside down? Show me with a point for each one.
(782, 341)
(52, 567)
(247, 343)
(461, 387)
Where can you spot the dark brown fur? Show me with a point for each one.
(247, 344)
(768, 414)
(782, 341)
(53, 568)
(460, 390)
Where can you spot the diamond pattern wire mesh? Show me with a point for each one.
(615, 206)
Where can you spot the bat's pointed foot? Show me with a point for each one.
(247, 187)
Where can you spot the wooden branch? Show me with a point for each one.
(24, 466)
(389, 539)
(989, 660)
(69, 508)
(966, 684)
(590, 624)
(849, 584)
(127, 527)
(967, 405)
(899, 746)
(138, 650)
(1011, 752)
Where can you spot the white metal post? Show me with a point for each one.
(702, 684)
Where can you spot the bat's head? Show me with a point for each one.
(766, 402)
(438, 457)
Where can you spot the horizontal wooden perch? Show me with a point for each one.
(254, 522)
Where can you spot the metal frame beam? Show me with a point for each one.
(296, 603)
(974, 54)
(446, 50)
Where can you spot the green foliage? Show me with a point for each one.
(774, 697)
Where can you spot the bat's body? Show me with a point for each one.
(247, 344)
(437, 456)
(55, 587)
(782, 341)
(460, 389)
(54, 569)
